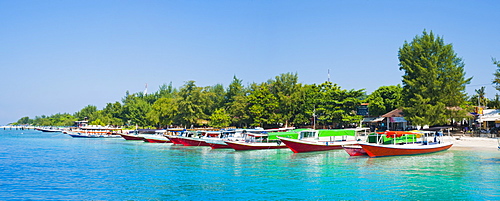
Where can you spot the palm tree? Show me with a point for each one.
(480, 96)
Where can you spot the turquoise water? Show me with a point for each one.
(54, 166)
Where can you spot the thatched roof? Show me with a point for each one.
(394, 113)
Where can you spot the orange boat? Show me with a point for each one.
(419, 144)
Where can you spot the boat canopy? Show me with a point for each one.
(336, 132)
(288, 134)
(396, 134)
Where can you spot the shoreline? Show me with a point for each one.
(475, 143)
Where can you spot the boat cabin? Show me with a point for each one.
(326, 135)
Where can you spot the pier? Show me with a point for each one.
(18, 127)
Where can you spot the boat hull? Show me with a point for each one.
(242, 146)
(355, 151)
(377, 150)
(131, 137)
(93, 136)
(192, 141)
(174, 139)
(301, 146)
(151, 140)
(219, 146)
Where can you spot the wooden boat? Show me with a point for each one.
(241, 146)
(49, 129)
(132, 136)
(261, 141)
(377, 150)
(354, 150)
(158, 137)
(138, 134)
(231, 135)
(173, 139)
(320, 140)
(179, 136)
(419, 144)
(187, 141)
(94, 132)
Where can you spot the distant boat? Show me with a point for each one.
(138, 134)
(94, 132)
(158, 137)
(231, 135)
(49, 129)
(405, 143)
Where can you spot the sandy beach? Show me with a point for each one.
(475, 143)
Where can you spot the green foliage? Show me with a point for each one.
(336, 106)
(433, 81)
(262, 105)
(480, 97)
(278, 102)
(384, 100)
(220, 118)
(87, 112)
(496, 80)
(495, 102)
(24, 121)
(163, 112)
(190, 104)
(135, 110)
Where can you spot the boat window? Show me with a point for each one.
(308, 134)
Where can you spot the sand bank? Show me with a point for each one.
(473, 143)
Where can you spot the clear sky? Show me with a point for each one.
(60, 56)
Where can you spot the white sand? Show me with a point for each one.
(473, 143)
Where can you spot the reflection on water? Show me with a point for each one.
(56, 166)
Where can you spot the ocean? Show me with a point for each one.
(54, 166)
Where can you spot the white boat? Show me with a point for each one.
(94, 132)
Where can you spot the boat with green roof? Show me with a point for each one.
(321, 140)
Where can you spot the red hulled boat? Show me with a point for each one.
(156, 140)
(174, 139)
(189, 141)
(214, 145)
(320, 140)
(132, 136)
(299, 146)
(406, 143)
(354, 150)
(241, 146)
(378, 150)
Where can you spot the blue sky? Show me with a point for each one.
(60, 56)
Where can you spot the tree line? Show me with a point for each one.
(432, 93)
(281, 101)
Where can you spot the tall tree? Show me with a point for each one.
(336, 106)
(262, 105)
(87, 112)
(135, 110)
(190, 104)
(163, 112)
(495, 102)
(234, 89)
(496, 80)
(220, 118)
(433, 81)
(481, 96)
(384, 99)
(283, 87)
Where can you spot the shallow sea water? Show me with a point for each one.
(54, 166)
